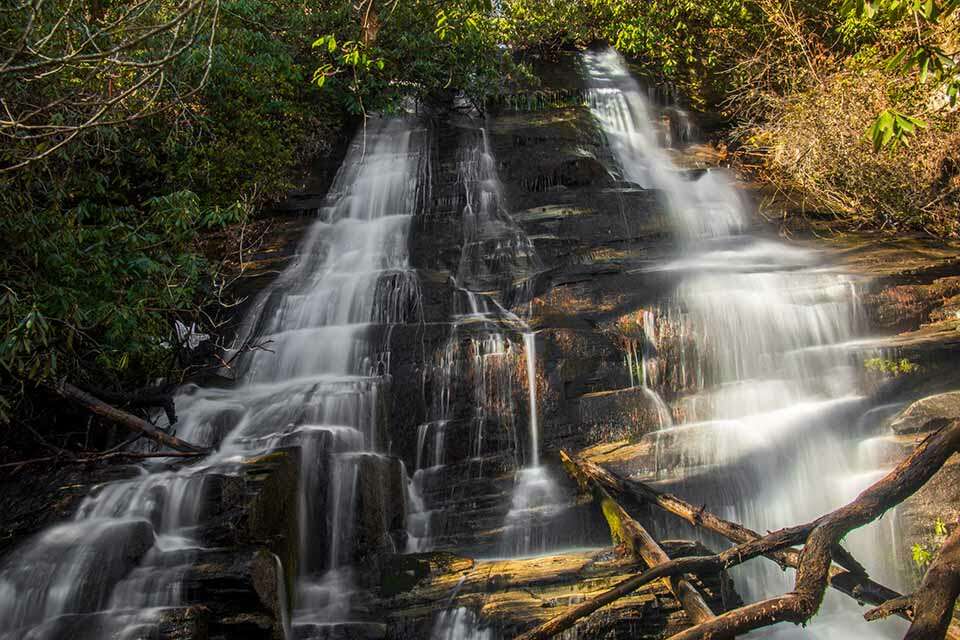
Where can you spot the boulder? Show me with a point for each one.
(241, 591)
(939, 499)
(928, 414)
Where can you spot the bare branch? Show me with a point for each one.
(813, 572)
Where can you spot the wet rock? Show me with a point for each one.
(179, 623)
(188, 623)
(906, 306)
(939, 498)
(380, 504)
(581, 172)
(240, 589)
(340, 631)
(36, 498)
(257, 506)
(928, 414)
(625, 413)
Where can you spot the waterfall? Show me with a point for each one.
(530, 353)
(478, 367)
(769, 402)
(317, 384)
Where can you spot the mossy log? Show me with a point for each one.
(624, 529)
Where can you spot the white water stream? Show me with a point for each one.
(766, 392)
(317, 384)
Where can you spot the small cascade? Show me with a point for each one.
(459, 623)
(497, 256)
(751, 353)
(536, 496)
(530, 353)
(317, 391)
(481, 363)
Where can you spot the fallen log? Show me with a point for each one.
(156, 396)
(854, 583)
(680, 566)
(640, 542)
(122, 418)
(813, 571)
(822, 536)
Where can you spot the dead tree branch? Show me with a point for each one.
(813, 572)
(122, 418)
(103, 457)
(822, 536)
(852, 582)
(640, 542)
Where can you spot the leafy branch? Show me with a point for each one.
(924, 55)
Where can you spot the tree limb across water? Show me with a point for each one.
(815, 568)
(641, 543)
(122, 418)
(852, 582)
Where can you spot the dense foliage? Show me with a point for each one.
(102, 199)
(130, 128)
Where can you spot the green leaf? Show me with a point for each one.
(940, 527)
(896, 62)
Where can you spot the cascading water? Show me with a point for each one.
(495, 244)
(751, 352)
(317, 385)
(486, 342)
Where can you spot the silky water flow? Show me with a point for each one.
(754, 348)
(316, 384)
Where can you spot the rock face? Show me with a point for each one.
(939, 499)
(928, 414)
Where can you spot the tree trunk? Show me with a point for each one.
(933, 602)
(641, 543)
(122, 418)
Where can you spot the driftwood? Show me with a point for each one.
(821, 537)
(852, 582)
(640, 542)
(122, 418)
